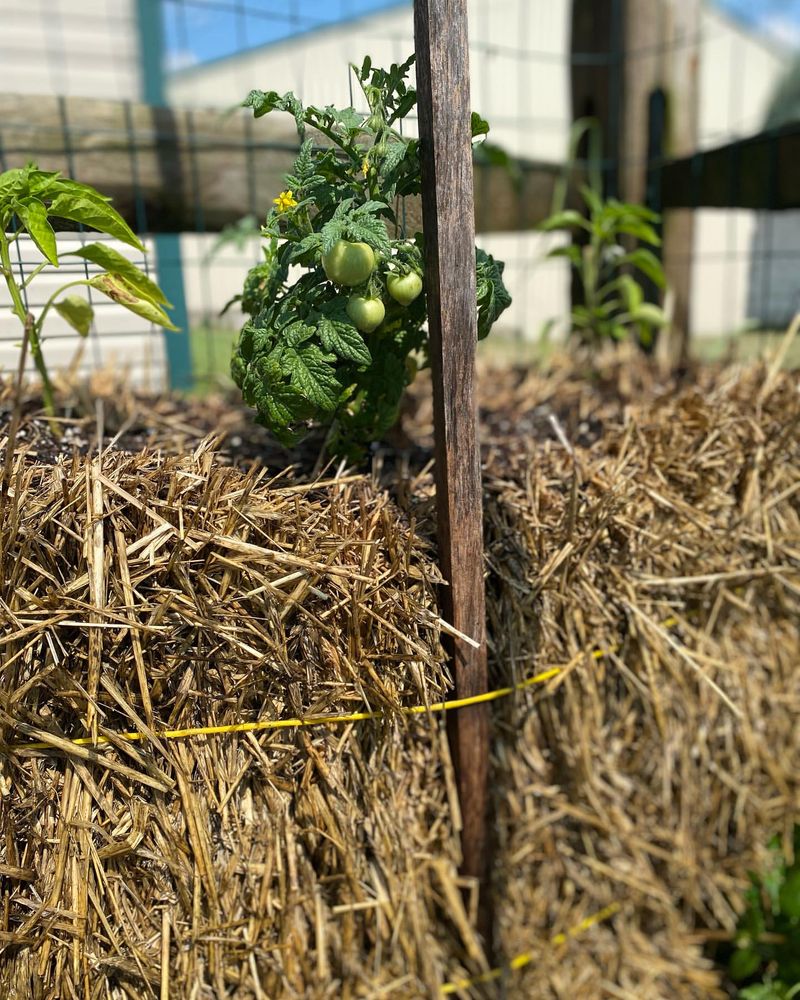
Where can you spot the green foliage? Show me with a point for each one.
(767, 951)
(613, 299)
(29, 199)
(300, 359)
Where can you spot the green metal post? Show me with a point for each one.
(168, 245)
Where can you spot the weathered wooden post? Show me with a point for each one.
(440, 28)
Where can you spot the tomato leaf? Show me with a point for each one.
(313, 375)
(343, 340)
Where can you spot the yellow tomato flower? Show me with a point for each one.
(365, 166)
(284, 201)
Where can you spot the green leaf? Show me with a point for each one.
(308, 245)
(631, 292)
(567, 219)
(744, 963)
(344, 340)
(114, 262)
(77, 312)
(331, 233)
(593, 200)
(650, 314)
(262, 102)
(763, 991)
(85, 205)
(789, 897)
(120, 290)
(12, 185)
(33, 216)
(277, 400)
(297, 333)
(312, 373)
(571, 252)
(492, 294)
(478, 125)
(46, 185)
(641, 230)
(364, 228)
(647, 262)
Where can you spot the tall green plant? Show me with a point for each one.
(609, 271)
(29, 199)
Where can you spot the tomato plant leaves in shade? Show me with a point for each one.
(77, 312)
(343, 340)
(311, 373)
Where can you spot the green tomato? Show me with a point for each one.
(404, 288)
(366, 313)
(348, 263)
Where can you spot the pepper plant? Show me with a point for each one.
(336, 309)
(613, 304)
(29, 199)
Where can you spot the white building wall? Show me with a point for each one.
(75, 48)
(520, 83)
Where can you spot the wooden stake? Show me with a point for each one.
(440, 28)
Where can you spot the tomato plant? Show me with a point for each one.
(337, 346)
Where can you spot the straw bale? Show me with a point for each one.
(653, 776)
(142, 592)
(653, 518)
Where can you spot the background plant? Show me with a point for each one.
(29, 199)
(767, 952)
(301, 359)
(609, 271)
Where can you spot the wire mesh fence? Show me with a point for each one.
(73, 101)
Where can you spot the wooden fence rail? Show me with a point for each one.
(182, 170)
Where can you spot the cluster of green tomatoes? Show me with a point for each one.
(351, 264)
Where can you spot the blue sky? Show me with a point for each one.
(198, 30)
(779, 19)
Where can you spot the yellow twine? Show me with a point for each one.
(319, 720)
(519, 961)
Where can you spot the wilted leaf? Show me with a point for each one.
(113, 261)
(122, 291)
